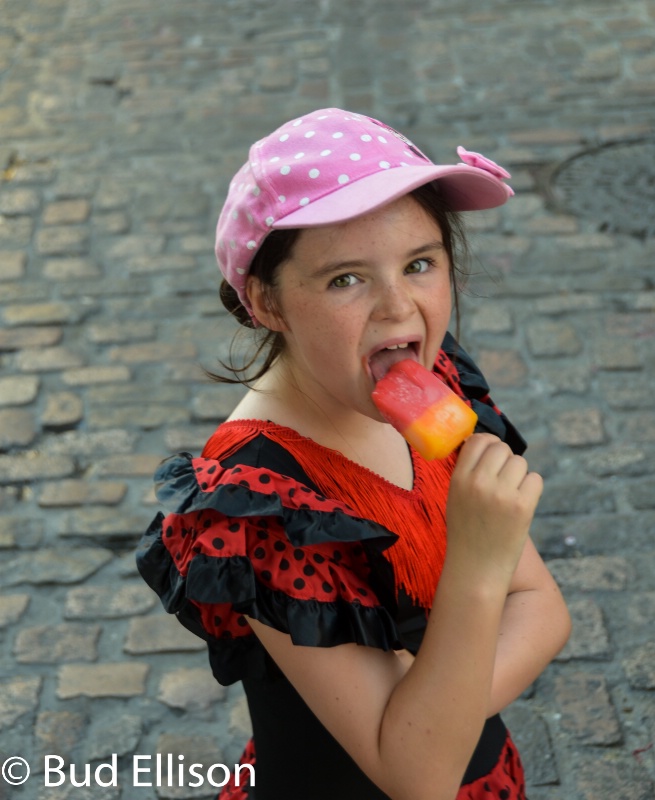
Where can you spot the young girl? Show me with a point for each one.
(308, 544)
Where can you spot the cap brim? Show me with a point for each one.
(464, 188)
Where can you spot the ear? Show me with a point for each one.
(262, 306)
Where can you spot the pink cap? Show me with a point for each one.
(331, 166)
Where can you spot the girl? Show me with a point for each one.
(308, 544)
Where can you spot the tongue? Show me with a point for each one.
(382, 361)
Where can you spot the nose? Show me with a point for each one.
(393, 301)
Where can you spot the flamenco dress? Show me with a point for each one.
(271, 525)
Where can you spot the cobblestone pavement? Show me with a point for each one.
(120, 123)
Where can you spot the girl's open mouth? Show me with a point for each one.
(381, 361)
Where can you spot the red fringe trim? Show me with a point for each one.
(416, 516)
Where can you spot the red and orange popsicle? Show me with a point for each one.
(431, 417)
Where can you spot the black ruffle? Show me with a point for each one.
(232, 580)
(476, 389)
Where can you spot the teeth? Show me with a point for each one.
(398, 346)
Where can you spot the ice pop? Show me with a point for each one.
(431, 417)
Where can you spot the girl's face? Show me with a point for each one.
(356, 297)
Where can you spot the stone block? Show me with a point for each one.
(28, 467)
(53, 644)
(29, 337)
(586, 709)
(18, 696)
(12, 265)
(58, 732)
(62, 410)
(112, 222)
(12, 608)
(608, 777)
(15, 233)
(179, 748)
(639, 666)
(135, 245)
(48, 359)
(588, 637)
(63, 494)
(575, 498)
(102, 523)
(579, 427)
(53, 566)
(156, 352)
(109, 602)
(19, 202)
(86, 376)
(69, 269)
(503, 368)
(160, 633)
(128, 466)
(120, 736)
(17, 428)
(492, 318)
(40, 314)
(617, 354)
(66, 212)
(147, 417)
(530, 734)
(552, 339)
(190, 689)
(121, 332)
(101, 680)
(91, 444)
(62, 240)
(592, 573)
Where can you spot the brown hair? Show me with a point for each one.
(277, 248)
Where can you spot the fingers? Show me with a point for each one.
(485, 458)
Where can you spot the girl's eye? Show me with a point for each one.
(419, 266)
(343, 281)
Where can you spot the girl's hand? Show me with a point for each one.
(491, 503)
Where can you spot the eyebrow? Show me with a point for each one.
(332, 267)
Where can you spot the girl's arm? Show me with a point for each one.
(413, 730)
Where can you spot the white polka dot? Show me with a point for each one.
(286, 169)
(299, 155)
(241, 271)
(251, 244)
(284, 137)
(297, 122)
(309, 134)
(282, 199)
(385, 164)
(249, 216)
(366, 138)
(273, 160)
(235, 215)
(233, 244)
(304, 201)
(269, 220)
(382, 139)
(221, 244)
(256, 191)
(337, 135)
(403, 164)
(325, 116)
(343, 179)
(407, 153)
(325, 152)
(355, 157)
(314, 173)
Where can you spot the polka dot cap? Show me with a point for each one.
(331, 166)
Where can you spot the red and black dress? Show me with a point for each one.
(271, 525)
